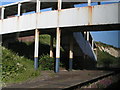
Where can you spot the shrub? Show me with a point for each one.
(16, 68)
(46, 63)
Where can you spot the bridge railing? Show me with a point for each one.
(33, 6)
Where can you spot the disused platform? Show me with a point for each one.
(61, 80)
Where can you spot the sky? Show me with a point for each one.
(108, 37)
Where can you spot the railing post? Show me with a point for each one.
(38, 6)
(88, 35)
(19, 9)
(89, 2)
(92, 44)
(2, 13)
(59, 4)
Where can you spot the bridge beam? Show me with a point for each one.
(51, 46)
(36, 50)
(71, 54)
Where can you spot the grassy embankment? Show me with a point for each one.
(17, 68)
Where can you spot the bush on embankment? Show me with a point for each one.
(16, 68)
(46, 63)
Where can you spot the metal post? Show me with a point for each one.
(2, 13)
(19, 7)
(85, 35)
(92, 44)
(36, 49)
(89, 2)
(38, 6)
(71, 54)
(59, 4)
(57, 49)
(88, 34)
(51, 46)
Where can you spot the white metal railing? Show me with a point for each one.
(37, 6)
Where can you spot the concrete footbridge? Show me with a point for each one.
(68, 24)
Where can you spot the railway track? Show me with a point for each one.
(93, 80)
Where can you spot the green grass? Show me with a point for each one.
(16, 68)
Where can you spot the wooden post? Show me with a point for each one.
(71, 54)
(36, 49)
(51, 46)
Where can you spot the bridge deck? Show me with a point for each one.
(84, 16)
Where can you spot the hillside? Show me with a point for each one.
(108, 55)
(109, 49)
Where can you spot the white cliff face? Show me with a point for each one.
(112, 51)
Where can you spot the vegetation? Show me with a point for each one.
(46, 63)
(16, 68)
(45, 39)
(105, 59)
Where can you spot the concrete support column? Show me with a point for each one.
(38, 6)
(71, 54)
(89, 2)
(2, 13)
(51, 46)
(58, 32)
(19, 9)
(36, 49)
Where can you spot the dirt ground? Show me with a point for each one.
(63, 79)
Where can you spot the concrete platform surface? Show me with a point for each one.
(63, 79)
